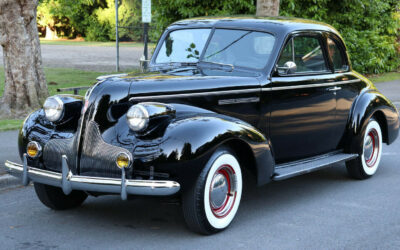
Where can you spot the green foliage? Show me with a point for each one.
(73, 17)
(166, 12)
(93, 19)
(129, 18)
(369, 28)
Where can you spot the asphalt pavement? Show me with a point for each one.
(321, 210)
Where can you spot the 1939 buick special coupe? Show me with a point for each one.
(275, 97)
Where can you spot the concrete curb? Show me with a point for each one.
(8, 181)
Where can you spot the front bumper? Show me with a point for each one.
(68, 182)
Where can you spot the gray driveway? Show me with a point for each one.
(93, 58)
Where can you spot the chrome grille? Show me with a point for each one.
(53, 151)
(98, 157)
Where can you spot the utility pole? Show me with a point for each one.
(146, 19)
(116, 35)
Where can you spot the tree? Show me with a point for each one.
(25, 84)
(267, 8)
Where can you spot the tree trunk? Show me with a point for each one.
(25, 84)
(267, 8)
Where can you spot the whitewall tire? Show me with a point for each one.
(212, 203)
(367, 163)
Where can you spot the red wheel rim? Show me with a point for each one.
(222, 192)
(371, 148)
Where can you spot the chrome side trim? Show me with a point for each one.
(68, 182)
(222, 92)
(305, 86)
(241, 91)
(238, 100)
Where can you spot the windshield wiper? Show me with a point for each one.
(215, 65)
(174, 65)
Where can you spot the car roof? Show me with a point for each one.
(277, 25)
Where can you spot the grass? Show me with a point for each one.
(63, 78)
(66, 78)
(10, 124)
(84, 43)
(386, 77)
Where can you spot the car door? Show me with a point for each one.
(302, 102)
(348, 85)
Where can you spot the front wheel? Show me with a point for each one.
(367, 163)
(54, 197)
(211, 204)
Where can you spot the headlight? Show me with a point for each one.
(138, 118)
(53, 108)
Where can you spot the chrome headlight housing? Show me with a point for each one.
(138, 118)
(53, 108)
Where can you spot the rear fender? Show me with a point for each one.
(370, 104)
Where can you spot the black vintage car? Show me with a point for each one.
(275, 97)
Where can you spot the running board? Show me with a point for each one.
(291, 169)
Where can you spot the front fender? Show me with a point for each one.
(188, 143)
(369, 104)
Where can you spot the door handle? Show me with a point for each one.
(334, 88)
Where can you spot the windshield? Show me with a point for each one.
(183, 46)
(240, 48)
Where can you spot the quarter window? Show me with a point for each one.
(306, 52)
(336, 55)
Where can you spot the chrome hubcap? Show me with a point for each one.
(219, 189)
(371, 147)
(223, 191)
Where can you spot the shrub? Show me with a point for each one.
(369, 28)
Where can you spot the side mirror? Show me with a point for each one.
(288, 68)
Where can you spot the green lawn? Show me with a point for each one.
(66, 78)
(84, 43)
(387, 77)
(63, 78)
(10, 124)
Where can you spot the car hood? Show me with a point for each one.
(160, 84)
(113, 96)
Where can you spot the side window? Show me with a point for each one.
(306, 53)
(337, 56)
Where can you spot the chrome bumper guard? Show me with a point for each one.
(68, 182)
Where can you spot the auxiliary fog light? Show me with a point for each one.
(123, 160)
(33, 149)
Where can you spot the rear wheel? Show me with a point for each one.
(54, 198)
(367, 163)
(211, 204)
